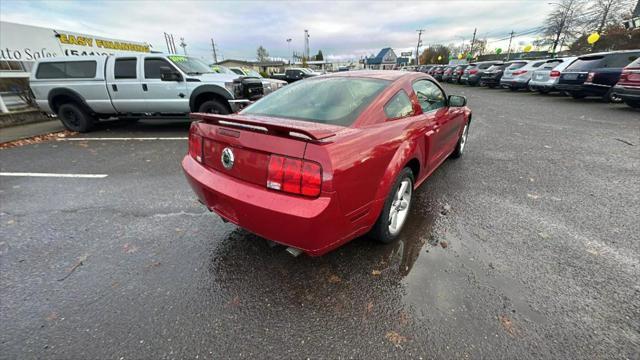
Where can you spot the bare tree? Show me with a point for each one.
(563, 22)
(602, 13)
(262, 54)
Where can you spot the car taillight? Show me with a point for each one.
(625, 75)
(473, 71)
(554, 73)
(295, 176)
(195, 146)
(590, 77)
(519, 72)
(459, 72)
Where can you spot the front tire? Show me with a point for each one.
(74, 118)
(633, 103)
(214, 107)
(396, 209)
(462, 142)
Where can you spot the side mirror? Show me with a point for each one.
(167, 74)
(457, 101)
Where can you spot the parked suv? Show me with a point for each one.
(628, 88)
(457, 73)
(544, 79)
(596, 74)
(491, 77)
(517, 76)
(81, 90)
(294, 74)
(473, 72)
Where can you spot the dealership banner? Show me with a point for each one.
(28, 43)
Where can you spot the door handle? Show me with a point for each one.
(144, 87)
(114, 87)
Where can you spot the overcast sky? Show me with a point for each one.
(340, 29)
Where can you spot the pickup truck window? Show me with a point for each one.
(152, 67)
(66, 70)
(125, 68)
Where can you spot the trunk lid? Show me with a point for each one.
(252, 139)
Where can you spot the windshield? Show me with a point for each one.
(336, 101)
(251, 72)
(191, 66)
(219, 69)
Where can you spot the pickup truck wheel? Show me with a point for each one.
(396, 209)
(213, 107)
(462, 141)
(74, 118)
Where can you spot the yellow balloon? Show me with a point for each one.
(439, 57)
(593, 38)
(527, 48)
(459, 56)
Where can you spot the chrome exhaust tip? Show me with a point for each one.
(294, 251)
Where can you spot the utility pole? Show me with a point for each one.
(213, 47)
(473, 41)
(289, 54)
(183, 45)
(509, 47)
(173, 44)
(306, 44)
(420, 31)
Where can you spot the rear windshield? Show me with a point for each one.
(551, 64)
(496, 67)
(517, 65)
(336, 101)
(635, 63)
(66, 70)
(484, 66)
(586, 63)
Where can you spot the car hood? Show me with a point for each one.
(215, 77)
(272, 81)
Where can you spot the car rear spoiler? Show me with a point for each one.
(281, 127)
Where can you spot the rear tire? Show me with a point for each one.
(382, 230)
(214, 107)
(74, 118)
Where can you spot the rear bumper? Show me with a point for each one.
(627, 93)
(590, 89)
(514, 83)
(490, 80)
(315, 226)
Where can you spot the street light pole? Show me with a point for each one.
(289, 47)
(420, 31)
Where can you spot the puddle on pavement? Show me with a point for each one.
(432, 270)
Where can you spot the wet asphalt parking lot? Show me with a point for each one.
(527, 247)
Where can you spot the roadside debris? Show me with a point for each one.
(625, 141)
(444, 244)
(80, 262)
(395, 338)
(507, 324)
(37, 139)
(446, 209)
(376, 272)
(335, 279)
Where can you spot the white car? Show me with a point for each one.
(545, 79)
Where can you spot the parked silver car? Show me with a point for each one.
(517, 75)
(545, 79)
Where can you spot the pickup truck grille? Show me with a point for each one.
(252, 88)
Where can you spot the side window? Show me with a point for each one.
(620, 60)
(429, 95)
(67, 70)
(399, 106)
(125, 68)
(152, 67)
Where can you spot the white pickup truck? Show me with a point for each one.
(82, 90)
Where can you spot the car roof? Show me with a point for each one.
(609, 53)
(373, 74)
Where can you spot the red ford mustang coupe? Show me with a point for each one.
(324, 160)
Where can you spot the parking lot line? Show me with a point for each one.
(122, 138)
(28, 174)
